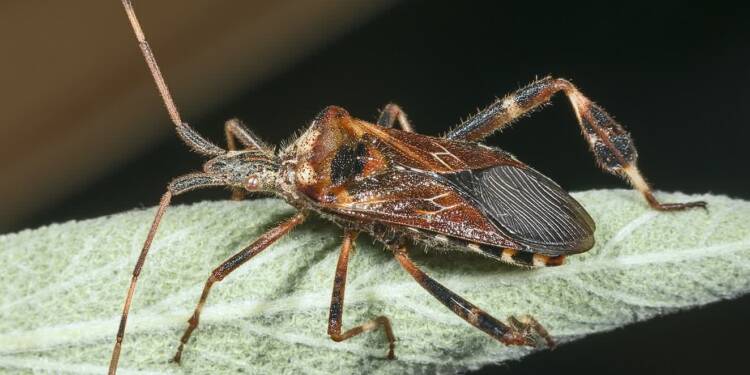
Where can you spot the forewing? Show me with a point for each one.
(528, 207)
(464, 190)
(431, 154)
(416, 200)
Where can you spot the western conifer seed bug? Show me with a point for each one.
(447, 192)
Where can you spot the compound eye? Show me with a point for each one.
(252, 183)
(348, 162)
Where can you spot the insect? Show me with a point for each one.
(403, 188)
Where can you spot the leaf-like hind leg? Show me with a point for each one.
(523, 330)
(612, 146)
(178, 186)
(336, 311)
(392, 113)
(230, 265)
(235, 131)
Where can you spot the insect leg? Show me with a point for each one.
(186, 133)
(523, 330)
(392, 113)
(234, 129)
(336, 312)
(612, 146)
(178, 186)
(229, 265)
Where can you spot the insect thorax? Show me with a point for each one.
(327, 155)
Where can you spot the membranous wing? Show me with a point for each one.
(464, 190)
(528, 207)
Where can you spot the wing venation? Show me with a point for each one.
(528, 207)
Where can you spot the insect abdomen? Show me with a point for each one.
(528, 208)
(508, 255)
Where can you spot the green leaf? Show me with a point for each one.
(63, 287)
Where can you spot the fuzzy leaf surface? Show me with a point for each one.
(63, 287)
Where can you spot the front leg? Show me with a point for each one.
(231, 264)
(612, 146)
(336, 312)
(178, 186)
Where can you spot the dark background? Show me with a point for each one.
(676, 76)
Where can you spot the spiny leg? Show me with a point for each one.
(176, 187)
(230, 265)
(392, 113)
(336, 312)
(235, 131)
(611, 144)
(523, 330)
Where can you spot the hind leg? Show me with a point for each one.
(611, 145)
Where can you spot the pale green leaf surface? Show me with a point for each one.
(63, 286)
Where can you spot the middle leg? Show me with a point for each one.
(336, 312)
(235, 130)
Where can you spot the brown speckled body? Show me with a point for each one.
(381, 192)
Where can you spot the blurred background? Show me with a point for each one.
(83, 132)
